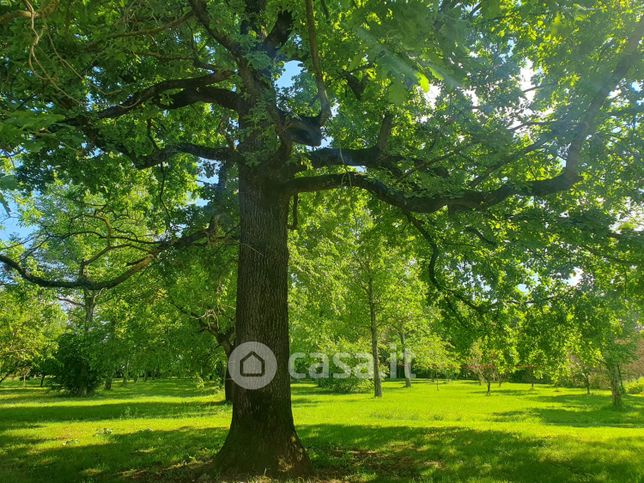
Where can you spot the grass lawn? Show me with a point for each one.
(169, 430)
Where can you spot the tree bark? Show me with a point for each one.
(489, 387)
(377, 383)
(621, 379)
(262, 437)
(406, 361)
(229, 385)
(83, 389)
(615, 389)
(8, 373)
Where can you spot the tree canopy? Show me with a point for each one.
(506, 133)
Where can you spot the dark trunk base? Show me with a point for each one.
(280, 455)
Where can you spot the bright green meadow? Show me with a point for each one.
(170, 431)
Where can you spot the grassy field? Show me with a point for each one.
(170, 430)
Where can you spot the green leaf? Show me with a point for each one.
(491, 8)
(397, 93)
(556, 25)
(423, 81)
(435, 72)
(8, 182)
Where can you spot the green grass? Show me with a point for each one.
(170, 430)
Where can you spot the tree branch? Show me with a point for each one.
(153, 93)
(216, 95)
(325, 105)
(416, 223)
(201, 12)
(280, 33)
(159, 156)
(465, 199)
(89, 284)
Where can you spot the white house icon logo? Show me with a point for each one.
(252, 365)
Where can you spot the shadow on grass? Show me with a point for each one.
(22, 416)
(183, 388)
(13, 393)
(146, 455)
(456, 453)
(582, 411)
(339, 452)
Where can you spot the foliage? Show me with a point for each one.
(636, 387)
(79, 370)
(506, 133)
(30, 321)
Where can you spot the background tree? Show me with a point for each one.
(30, 321)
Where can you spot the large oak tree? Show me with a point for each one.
(452, 110)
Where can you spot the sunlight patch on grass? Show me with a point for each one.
(170, 430)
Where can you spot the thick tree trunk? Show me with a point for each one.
(377, 383)
(108, 383)
(262, 437)
(489, 387)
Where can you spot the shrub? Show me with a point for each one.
(346, 385)
(79, 370)
(636, 387)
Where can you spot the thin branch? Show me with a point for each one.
(325, 105)
(468, 199)
(153, 92)
(140, 33)
(201, 12)
(84, 282)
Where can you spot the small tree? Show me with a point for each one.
(79, 372)
(491, 358)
